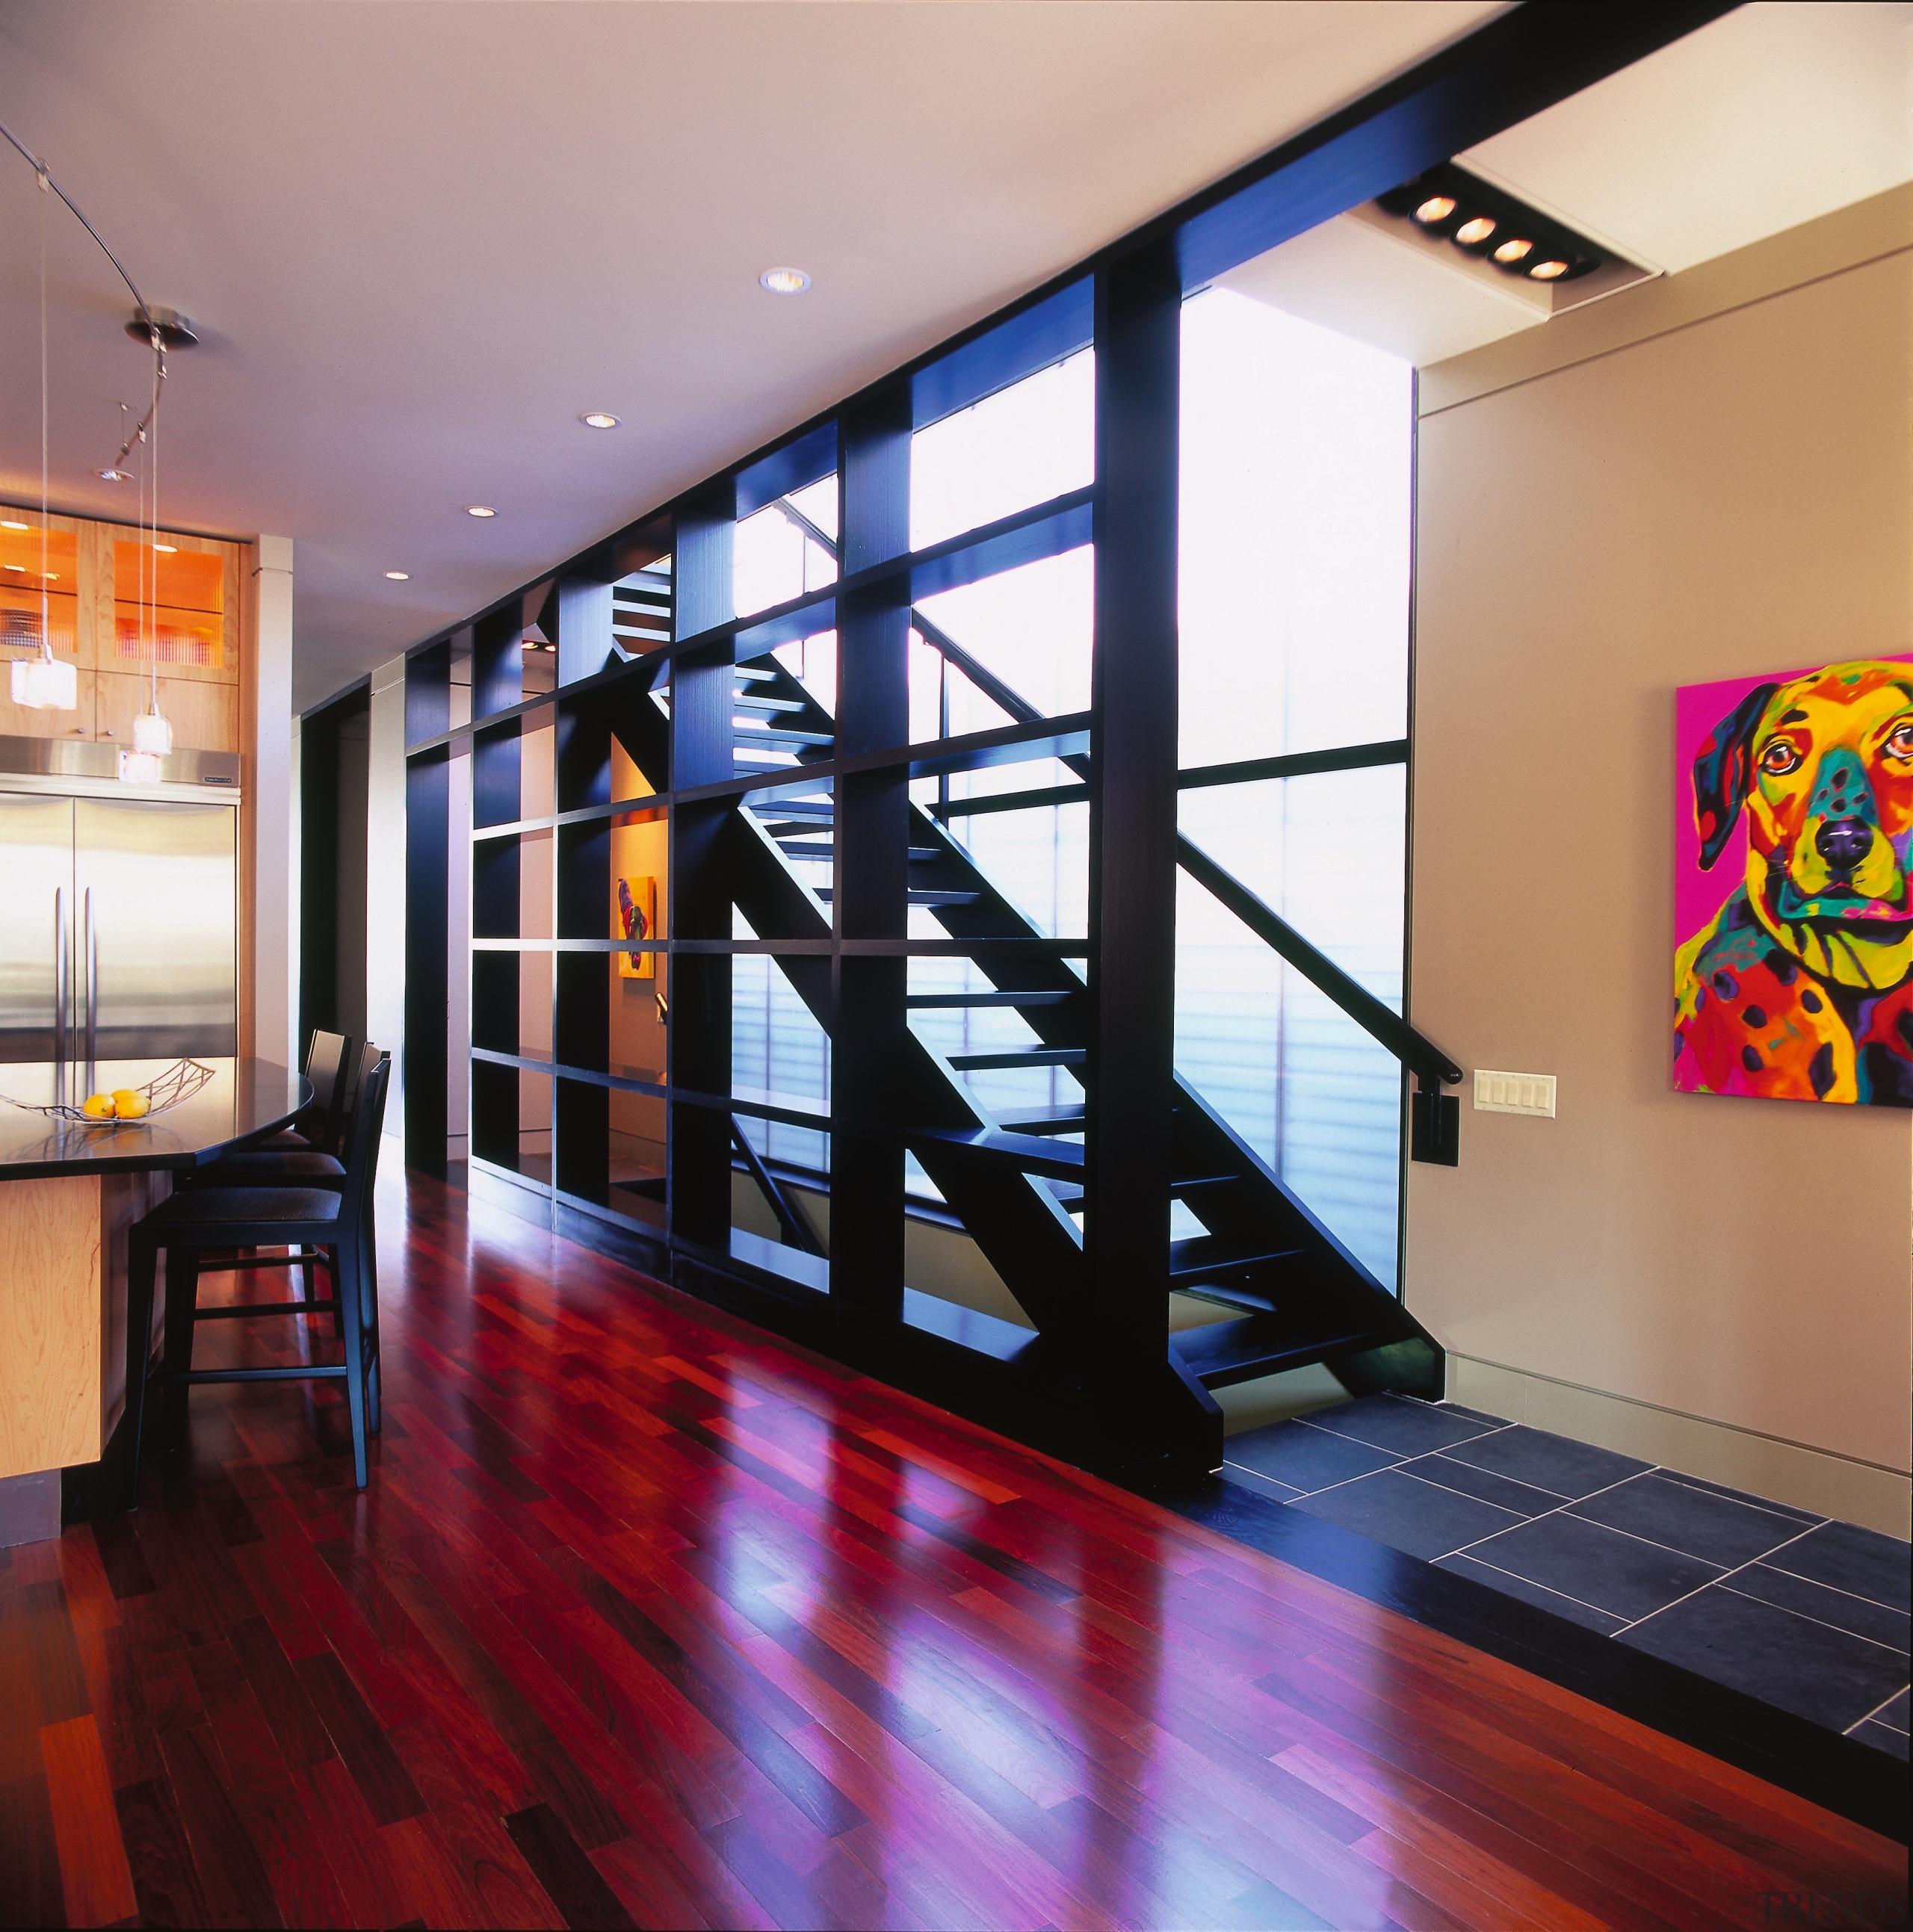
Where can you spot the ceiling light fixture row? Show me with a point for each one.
(1489, 226)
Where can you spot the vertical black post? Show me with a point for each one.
(871, 874)
(698, 1158)
(581, 1016)
(1143, 1412)
(318, 872)
(427, 854)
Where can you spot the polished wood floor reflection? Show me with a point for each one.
(648, 1619)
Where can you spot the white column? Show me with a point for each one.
(385, 878)
(274, 857)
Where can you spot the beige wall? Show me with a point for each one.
(1708, 478)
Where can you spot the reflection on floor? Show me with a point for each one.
(649, 1618)
(1805, 1613)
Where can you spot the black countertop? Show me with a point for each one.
(244, 1097)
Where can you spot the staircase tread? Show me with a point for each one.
(1021, 1056)
(1220, 1353)
(961, 1000)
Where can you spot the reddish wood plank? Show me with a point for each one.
(648, 1618)
(94, 1873)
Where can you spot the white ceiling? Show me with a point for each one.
(1772, 115)
(420, 237)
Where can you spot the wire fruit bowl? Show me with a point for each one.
(163, 1092)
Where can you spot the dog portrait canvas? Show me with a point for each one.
(1793, 967)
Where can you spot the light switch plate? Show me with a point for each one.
(1514, 1092)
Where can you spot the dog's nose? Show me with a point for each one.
(1844, 842)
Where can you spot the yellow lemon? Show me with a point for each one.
(98, 1107)
(130, 1104)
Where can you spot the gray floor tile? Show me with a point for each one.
(1851, 1558)
(1392, 1422)
(1303, 1457)
(1484, 1485)
(1519, 1587)
(1406, 1514)
(1263, 1485)
(1880, 1739)
(1691, 1521)
(1840, 1608)
(1548, 1462)
(1894, 1714)
(1822, 1674)
(1800, 1516)
(1600, 1566)
(1473, 1415)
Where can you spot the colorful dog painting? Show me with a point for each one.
(1793, 980)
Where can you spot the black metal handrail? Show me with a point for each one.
(1418, 1054)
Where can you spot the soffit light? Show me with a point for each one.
(480, 510)
(1483, 222)
(167, 550)
(598, 419)
(9, 523)
(784, 281)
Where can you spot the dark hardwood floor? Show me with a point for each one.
(649, 1619)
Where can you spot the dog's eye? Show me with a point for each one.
(1899, 740)
(1780, 757)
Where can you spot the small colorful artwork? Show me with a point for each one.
(637, 911)
(1793, 977)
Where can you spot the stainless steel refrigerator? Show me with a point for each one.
(118, 907)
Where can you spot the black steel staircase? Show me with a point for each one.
(1014, 1176)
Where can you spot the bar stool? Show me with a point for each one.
(320, 1125)
(274, 1166)
(339, 1222)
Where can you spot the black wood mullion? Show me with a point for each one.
(870, 897)
(1142, 1411)
(698, 1142)
(430, 847)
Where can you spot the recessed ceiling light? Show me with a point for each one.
(169, 549)
(15, 566)
(1548, 271)
(114, 475)
(1513, 251)
(598, 419)
(480, 510)
(1478, 230)
(1437, 208)
(9, 524)
(400, 576)
(784, 281)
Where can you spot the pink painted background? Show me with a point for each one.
(1697, 709)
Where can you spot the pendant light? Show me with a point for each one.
(152, 733)
(43, 683)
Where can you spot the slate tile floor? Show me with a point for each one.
(1804, 1612)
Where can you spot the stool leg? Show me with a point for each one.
(345, 1280)
(140, 1258)
(182, 1289)
(368, 1310)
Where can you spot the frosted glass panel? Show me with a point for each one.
(1030, 627)
(1309, 1090)
(1034, 440)
(775, 557)
(777, 1050)
(1297, 469)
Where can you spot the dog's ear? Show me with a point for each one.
(1723, 771)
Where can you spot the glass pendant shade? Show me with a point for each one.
(152, 732)
(139, 768)
(45, 684)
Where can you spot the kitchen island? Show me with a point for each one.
(68, 1193)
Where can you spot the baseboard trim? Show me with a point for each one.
(1717, 1452)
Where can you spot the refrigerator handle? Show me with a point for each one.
(60, 992)
(90, 967)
